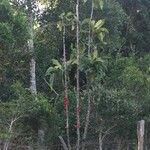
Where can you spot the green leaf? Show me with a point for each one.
(73, 26)
(104, 30)
(99, 59)
(86, 21)
(69, 62)
(101, 37)
(99, 24)
(59, 25)
(98, 4)
(93, 22)
(50, 70)
(62, 15)
(51, 81)
(57, 64)
(84, 1)
(95, 54)
(101, 4)
(74, 61)
(69, 16)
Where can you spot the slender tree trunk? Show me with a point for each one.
(140, 134)
(78, 86)
(88, 89)
(100, 141)
(89, 36)
(119, 144)
(31, 49)
(128, 146)
(32, 76)
(146, 138)
(63, 143)
(87, 120)
(66, 100)
(33, 88)
(6, 145)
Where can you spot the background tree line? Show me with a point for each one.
(79, 74)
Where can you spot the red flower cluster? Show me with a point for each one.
(78, 109)
(66, 102)
(78, 125)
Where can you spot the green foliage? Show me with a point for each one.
(98, 4)
(116, 72)
(23, 105)
(6, 38)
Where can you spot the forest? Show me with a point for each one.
(74, 74)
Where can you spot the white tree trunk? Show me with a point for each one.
(100, 141)
(31, 48)
(119, 144)
(6, 144)
(63, 143)
(140, 134)
(89, 36)
(89, 94)
(87, 121)
(66, 100)
(128, 146)
(33, 88)
(41, 139)
(78, 86)
(32, 76)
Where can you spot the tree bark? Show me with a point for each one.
(33, 88)
(119, 144)
(146, 138)
(89, 94)
(63, 143)
(89, 36)
(6, 145)
(66, 88)
(77, 82)
(128, 146)
(31, 49)
(140, 134)
(87, 121)
(100, 141)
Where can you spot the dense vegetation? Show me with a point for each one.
(82, 78)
